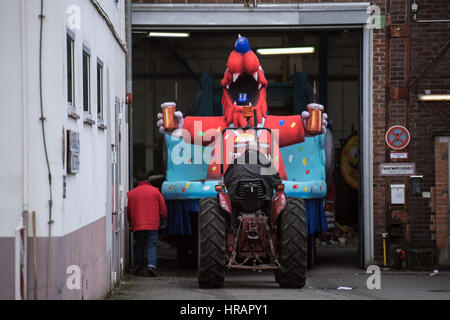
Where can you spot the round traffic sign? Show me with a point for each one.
(397, 137)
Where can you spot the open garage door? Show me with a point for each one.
(188, 70)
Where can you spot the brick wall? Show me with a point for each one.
(425, 40)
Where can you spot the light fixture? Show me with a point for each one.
(294, 50)
(434, 97)
(169, 34)
(414, 7)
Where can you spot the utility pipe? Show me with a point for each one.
(384, 236)
(433, 20)
(42, 119)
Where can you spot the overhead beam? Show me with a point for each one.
(262, 17)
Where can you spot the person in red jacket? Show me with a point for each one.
(146, 209)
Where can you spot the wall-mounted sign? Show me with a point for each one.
(397, 169)
(73, 151)
(426, 194)
(399, 155)
(397, 194)
(397, 137)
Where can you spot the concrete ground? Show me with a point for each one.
(335, 267)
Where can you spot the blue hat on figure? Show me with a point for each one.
(242, 45)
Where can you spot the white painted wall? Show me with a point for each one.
(11, 170)
(87, 191)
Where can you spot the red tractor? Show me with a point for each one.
(244, 230)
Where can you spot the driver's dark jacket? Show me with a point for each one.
(242, 170)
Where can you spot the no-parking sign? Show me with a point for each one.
(397, 137)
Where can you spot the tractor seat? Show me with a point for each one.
(251, 194)
(254, 185)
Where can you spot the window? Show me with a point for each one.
(99, 89)
(86, 81)
(70, 71)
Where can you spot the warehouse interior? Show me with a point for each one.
(188, 70)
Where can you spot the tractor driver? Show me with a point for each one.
(253, 163)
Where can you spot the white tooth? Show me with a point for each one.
(259, 86)
(235, 76)
(255, 75)
(235, 103)
(228, 87)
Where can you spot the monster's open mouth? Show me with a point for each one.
(244, 90)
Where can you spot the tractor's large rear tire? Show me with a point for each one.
(293, 244)
(212, 240)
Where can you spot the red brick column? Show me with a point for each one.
(379, 129)
(441, 191)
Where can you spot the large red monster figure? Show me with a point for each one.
(243, 83)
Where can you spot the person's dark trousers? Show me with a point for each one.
(149, 239)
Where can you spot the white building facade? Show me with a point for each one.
(64, 147)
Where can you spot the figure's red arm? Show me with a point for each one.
(202, 130)
(291, 130)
